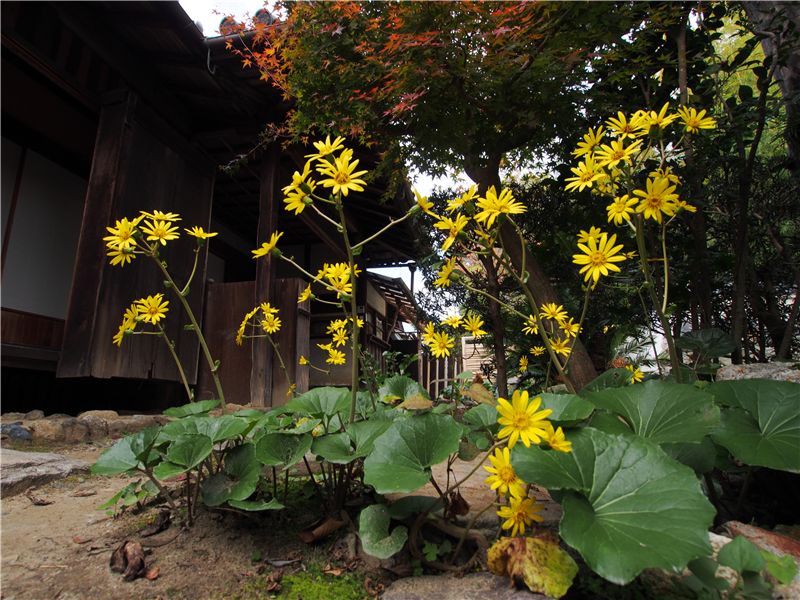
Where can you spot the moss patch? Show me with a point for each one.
(311, 584)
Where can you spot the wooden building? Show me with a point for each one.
(109, 108)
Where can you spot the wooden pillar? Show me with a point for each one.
(293, 339)
(268, 206)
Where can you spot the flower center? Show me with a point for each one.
(341, 178)
(654, 201)
(506, 474)
(597, 258)
(521, 420)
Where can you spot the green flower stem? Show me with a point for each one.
(467, 529)
(171, 347)
(213, 367)
(185, 289)
(280, 361)
(161, 488)
(353, 312)
(488, 295)
(580, 321)
(651, 291)
(650, 334)
(326, 217)
(666, 267)
(392, 223)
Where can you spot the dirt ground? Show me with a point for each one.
(62, 550)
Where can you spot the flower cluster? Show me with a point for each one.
(150, 309)
(262, 318)
(440, 342)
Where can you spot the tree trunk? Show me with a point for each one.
(498, 330)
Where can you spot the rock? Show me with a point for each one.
(15, 431)
(474, 586)
(55, 416)
(33, 415)
(98, 426)
(134, 423)
(45, 430)
(775, 371)
(22, 470)
(74, 430)
(766, 540)
(106, 415)
(11, 417)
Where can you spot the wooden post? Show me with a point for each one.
(268, 200)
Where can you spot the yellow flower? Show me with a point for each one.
(520, 419)
(340, 337)
(492, 206)
(270, 323)
(303, 360)
(157, 215)
(556, 439)
(462, 199)
(268, 309)
(636, 374)
(503, 478)
(445, 272)
(424, 204)
(554, 311)
(305, 294)
(666, 173)
(122, 234)
(621, 209)
(593, 234)
(359, 323)
(199, 233)
(341, 173)
(586, 173)
(129, 321)
(440, 344)
(523, 363)
(571, 328)
(453, 321)
(590, 141)
(599, 257)
(561, 346)
(658, 119)
(427, 333)
(327, 147)
(683, 205)
(624, 128)
(243, 324)
(335, 357)
(342, 287)
(538, 350)
(610, 155)
(152, 308)
(335, 325)
(327, 347)
(531, 326)
(659, 199)
(519, 513)
(121, 256)
(453, 227)
(267, 247)
(473, 323)
(301, 188)
(695, 121)
(160, 231)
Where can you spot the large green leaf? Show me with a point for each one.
(189, 450)
(334, 447)
(191, 409)
(762, 424)
(627, 505)
(711, 343)
(373, 529)
(237, 480)
(256, 505)
(482, 416)
(279, 449)
(364, 434)
(613, 378)
(660, 411)
(567, 408)
(403, 455)
(131, 452)
(221, 428)
(320, 403)
(402, 388)
(700, 457)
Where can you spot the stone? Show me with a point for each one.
(12, 417)
(55, 416)
(98, 427)
(45, 430)
(776, 371)
(22, 470)
(99, 414)
(133, 423)
(15, 431)
(474, 586)
(74, 430)
(33, 415)
(766, 540)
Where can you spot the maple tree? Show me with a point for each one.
(441, 85)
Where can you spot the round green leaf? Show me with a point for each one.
(120, 458)
(627, 505)
(373, 529)
(364, 434)
(237, 480)
(700, 457)
(221, 428)
(168, 470)
(403, 455)
(741, 555)
(613, 378)
(566, 407)
(256, 505)
(482, 416)
(193, 408)
(402, 388)
(320, 402)
(189, 450)
(762, 425)
(661, 411)
(280, 449)
(334, 447)
(711, 343)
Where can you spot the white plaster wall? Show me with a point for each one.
(44, 237)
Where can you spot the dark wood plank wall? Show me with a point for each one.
(226, 305)
(293, 339)
(139, 164)
(27, 329)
